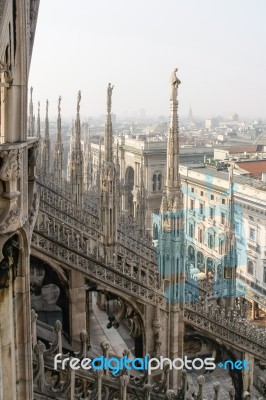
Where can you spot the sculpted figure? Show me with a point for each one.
(59, 104)
(109, 96)
(174, 82)
(79, 98)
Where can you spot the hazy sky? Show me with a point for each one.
(219, 47)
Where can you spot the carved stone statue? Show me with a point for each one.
(174, 82)
(59, 104)
(79, 98)
(109, 97)
(47, 105)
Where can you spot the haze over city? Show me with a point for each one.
(218, 47)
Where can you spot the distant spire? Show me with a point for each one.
(38, 122)
(31, 124)
(46, 144)
(58, 149)
(76, 160)
(108, 135)
(38, 133)
(99, 168)
(87, 158)
(190, 115)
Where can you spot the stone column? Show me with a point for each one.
(78, 306)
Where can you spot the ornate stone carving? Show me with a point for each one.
(11, 164)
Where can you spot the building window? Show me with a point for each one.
(159, 181)
(223, 201)
(211, 241)
(221, 246)
(191, 230)
(191, 204)
(236, 227)
(201, 193)
(212, 197)
(200, 235)
(154, 179)
(250, 269)
(252, 234)
(192, 190)
(211, 212)
(201, 209)
(222, 218)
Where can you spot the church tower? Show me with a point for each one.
(58, 149)
(75, 161)
(171, 237)
(108, 179)
(46, 145)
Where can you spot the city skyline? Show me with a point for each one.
(216, 47)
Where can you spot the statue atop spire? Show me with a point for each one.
(59, 104)
(109, 97)
(47, 106)
(78, 103)
(174, 83)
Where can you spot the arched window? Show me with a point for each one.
(154, 182)
(159, 181)
(250, 268)
(221, 244)
(191, 230)
(200, 235)
(211, 241)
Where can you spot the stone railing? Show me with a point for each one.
(230, 327)
(138, 250)
(123, 278)
(100, 384)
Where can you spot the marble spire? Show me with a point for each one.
(31, 120)
(75, 161)
(87, 157)
(171, 238)
(108, 179)
(108, 134)
(171, 196)
(46, 144)
(58, 149)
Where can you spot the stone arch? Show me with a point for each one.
(118, 309)
(50, 294)
(222, 352)
(191, 255)
(200, 261)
